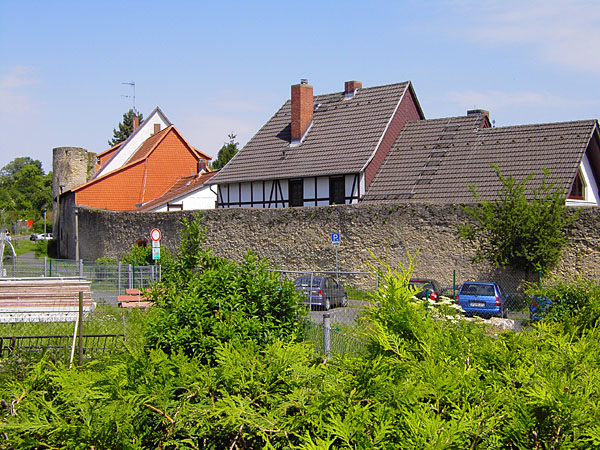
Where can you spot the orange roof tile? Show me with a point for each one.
(159, 162)
(181, 186)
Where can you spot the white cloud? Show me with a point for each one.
(560, 32)
(14, 99)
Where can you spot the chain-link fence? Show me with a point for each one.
(109, 280)
(346, 295)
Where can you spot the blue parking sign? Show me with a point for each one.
(335, 238)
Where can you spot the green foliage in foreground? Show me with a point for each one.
(574, 305)
(206, 300)
(519, 231)
(425, 383)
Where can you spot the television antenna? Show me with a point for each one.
(132, 96)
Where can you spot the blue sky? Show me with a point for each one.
(221, 67)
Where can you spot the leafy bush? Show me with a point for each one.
(524, 232)
(205, 300)
(570, 304)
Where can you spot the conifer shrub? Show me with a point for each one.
(205, 300)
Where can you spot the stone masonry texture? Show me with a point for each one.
(300, 238)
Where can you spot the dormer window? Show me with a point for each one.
(578, 188)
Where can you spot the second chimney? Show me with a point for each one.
(136, 123)
(350, 87)
(302, 109)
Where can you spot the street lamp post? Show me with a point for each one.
(76, 211)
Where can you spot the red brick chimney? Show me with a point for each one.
(136, 123)
(351, 86)
(302, 109)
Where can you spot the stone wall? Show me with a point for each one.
(300, 238)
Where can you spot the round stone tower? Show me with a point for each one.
(71, 167)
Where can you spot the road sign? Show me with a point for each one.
(336, 239)
(155, 244)
(155, 234)
(155, 253)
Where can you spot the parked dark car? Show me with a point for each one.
(482, 299)
(321, 291)
(427, 288)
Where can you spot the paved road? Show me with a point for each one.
(340, 315)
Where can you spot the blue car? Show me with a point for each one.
(482, 299)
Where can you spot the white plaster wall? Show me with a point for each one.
(202, 198)
(246, 192)
(234, 192)
(258, 193)
(323, 190)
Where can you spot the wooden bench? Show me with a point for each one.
(43, 299)
(133, 299)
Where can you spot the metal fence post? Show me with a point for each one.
(119, 277)
(81, 268)
(326, 333)
(45, 266)
(80, 344)
(454, 284)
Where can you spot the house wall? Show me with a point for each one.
(201, 199)
(275, 193)
(407, 110)
(300, 238)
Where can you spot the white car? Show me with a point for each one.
(41, 237)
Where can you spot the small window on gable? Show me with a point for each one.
(578, 188)
(174, 206)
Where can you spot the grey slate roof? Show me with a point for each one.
(435, 160)
(343, 135)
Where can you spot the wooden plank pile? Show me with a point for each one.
(43, 299)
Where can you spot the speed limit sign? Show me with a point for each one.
(155, 234)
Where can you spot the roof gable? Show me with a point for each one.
(341, 139)
(134, 141)
(436, 160)
(145, 151)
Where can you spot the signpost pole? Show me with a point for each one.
(336, 239)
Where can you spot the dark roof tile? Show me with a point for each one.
(436, 160)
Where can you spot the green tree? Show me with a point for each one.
(25, 190)
(228, 150)
(125, 127)
(519, 231)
